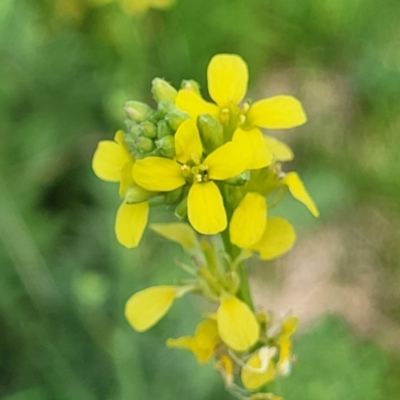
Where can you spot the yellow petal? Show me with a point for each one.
(227, 79)
(145, 308)
(158, 174)
(108, 160)
(277, 239)
(184, 342)
(248, 221)
(194, 105)
(187, 142)
(280, 151)
(178, 232)
(206, 211)
(259, 369)
(227, 161)
(126, 178)
(130, 223)
(299, 192)
(261, 155)
(279, 112)
(237, 326)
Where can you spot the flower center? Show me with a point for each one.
(194, 170)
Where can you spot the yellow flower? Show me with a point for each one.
(259, 369)
(227, 76)
(145, 308)
(289, 326)
(206, 210)
(237, 325)
(112, 162)
(202, 344)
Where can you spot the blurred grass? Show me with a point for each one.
(64, 279)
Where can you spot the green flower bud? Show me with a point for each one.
(163, 129)
(136, 194)
(164, 107)
(144, 144)
(175, 118)
(181, 209)
(162, 90)
(135, 130)
(138, 111)
(166, 146)
(211, 132)
(149, 129)
(190, 84)
(240, 179)
(173, 196)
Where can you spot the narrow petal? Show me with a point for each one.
(158, 174)
(145, 308)
(126, 178)
(227, 79)
(206, 209)
(299, 192)
(278, 238)
(227, 161)
(131, 222)
(108, 160)
(279, 112)
(194, 105)
(280, 151)
(248, 221)
(259, 369)
(261, 155)
(178, 232)
(237, 326)
(187, 142)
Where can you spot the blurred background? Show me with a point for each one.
(66, 69)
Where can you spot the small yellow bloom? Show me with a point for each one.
(206, 210)
(112, 162)
(237, 325)
(259, 369)
(202, 344)
(227, 76)
(289, 326)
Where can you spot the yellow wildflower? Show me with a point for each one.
(202, 344)
(206, 210)
(112, 162)
(227, 76)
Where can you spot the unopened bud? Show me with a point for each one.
(166, 146)
(136, 194)
(164, 107)
(138, 111)
(144, 144)
(149, 129)
(190, 84)
(163, 129)
(135, 130)
(162, 90)
(181, 209)
(173, 196)
(175, 118)
(240, 179)
(211, 132)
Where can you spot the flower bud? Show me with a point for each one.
(164, 107)
(136, 194)
(173, 196)
(149, 129)
(211, 132)
(175, 118)
(166, 146)
(144, 144)
(181, 209)
(138, 111)
(240, 179)
(190, 84)
(163, 129)
(162, 90)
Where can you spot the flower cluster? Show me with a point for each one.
(212, 165)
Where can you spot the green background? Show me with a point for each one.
(64, 279)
